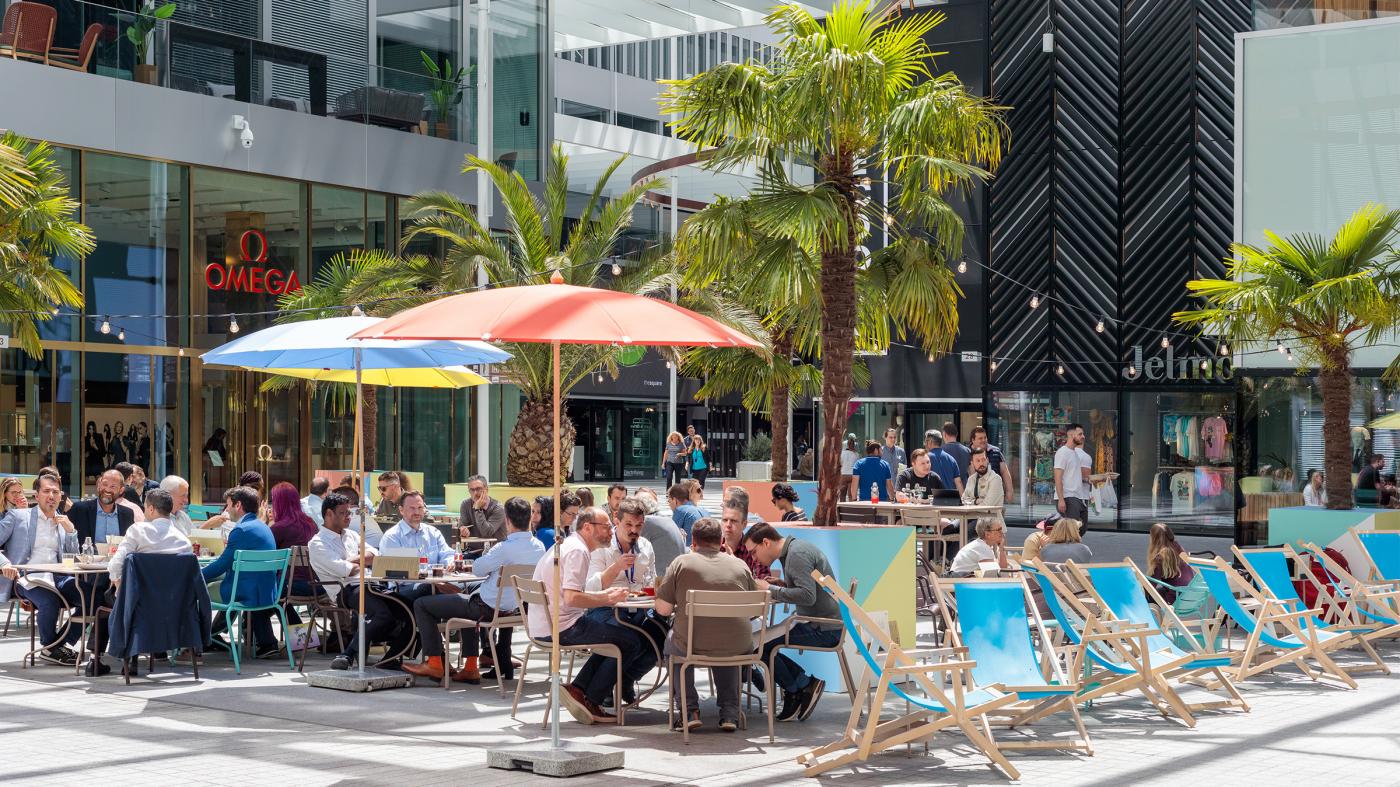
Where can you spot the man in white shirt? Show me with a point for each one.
(989, 546)
(410, 535)
(584, 699)
(179, 490)
(335, 557)
(626, 560)
(1071, 487)
(983, 486)
(311, 504)
(42, 535)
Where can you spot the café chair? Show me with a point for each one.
(839, 649)
(532, 592)
(32, 34)
(319, 606)
(743, 604)
(255, 561)
(500, 620)
(162, 606)
(77, 59)
(928, 529)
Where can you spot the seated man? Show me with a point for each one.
(627, 561)
(104, 515)
(734, 520)
(390, 495)
(258, 589)
(667, 541)
(335, 557)
(179, 490)
(480, 516)
(989, 546)
(983, 487)
(518, 549)
(157, 535)
(799, 558)
(706, 567)
(311, 504)
(410, 535)
(684, 511)
(42, 535)
(583, 697)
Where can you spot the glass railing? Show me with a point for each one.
(1273, 14)
(199, 59)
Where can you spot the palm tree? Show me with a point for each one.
(1317, 296)
(853, 97)
(36, 223)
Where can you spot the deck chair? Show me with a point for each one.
(1382, 549)
(1371, 605)
(993, 618)
(1122, 592)
(1277, 633)
(937, 706)
(1269, 567)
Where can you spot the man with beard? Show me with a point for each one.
(101, 516)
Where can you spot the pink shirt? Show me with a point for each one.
(573, 565)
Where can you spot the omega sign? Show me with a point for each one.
(1169, 367)
(251, 276)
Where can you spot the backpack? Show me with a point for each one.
(1307, 590)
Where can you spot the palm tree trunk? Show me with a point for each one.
(1334, 378)
(370, 423)
(782, 353)
(838, 283)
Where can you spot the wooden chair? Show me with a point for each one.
(33, 31)
(994, 620)
(936, 691)
(77, 59)
(509, 618)
(1277, 633)
(743, 604)
(532, 593)
(785, 644)
(7, 30)
(1372, 605)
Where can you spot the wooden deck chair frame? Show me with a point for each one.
(1343, 636)
(944, 706)
(1161, 666)
(1027, 710)
(1263, 650)
(1361, 604)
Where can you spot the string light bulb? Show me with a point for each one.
(121, 334)
(992, 366)
(1224, 348)
(889, 219)
(930, 357)
(1205, 365)
(1035, 300)
(600, 377)
(865, 182)
(1132, 370)
(1289, 352)
(106, 326)
(1099, 326)
(962, 266)
(357, 311)
(1060, 369)
(233, 324)
(1166, 342)
(181, 352)
(1281, 349)
(616, 269)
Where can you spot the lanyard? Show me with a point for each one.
(632, 571)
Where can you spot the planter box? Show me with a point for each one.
(754, 471)
(454, 494)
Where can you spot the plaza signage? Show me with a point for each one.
(1216, 369)
(250, 273)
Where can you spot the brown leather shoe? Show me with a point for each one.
(467, 675)
(432, 668)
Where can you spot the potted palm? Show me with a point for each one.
(445, 94)
(140, 36)
(756, 465)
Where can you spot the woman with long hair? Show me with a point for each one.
(291, 527)
(12, 494)
(116, 445)
(672, 459)
(1063, 543)
(1166, 561)
(785, 500)
(699, 467)
(542, 520)
(94, 451)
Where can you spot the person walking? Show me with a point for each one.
(672, 460)
(1071, 489)
(699, 466)
(848, 461)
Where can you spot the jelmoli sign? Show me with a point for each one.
(1171, 367)
(249, 272)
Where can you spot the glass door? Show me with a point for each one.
(275, 424)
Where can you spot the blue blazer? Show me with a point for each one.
(17, 542)
(254, 589)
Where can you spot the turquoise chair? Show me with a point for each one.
(1383, 548)
(993, 618)
(1277, 633)
(249, 561)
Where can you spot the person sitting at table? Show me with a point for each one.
(391, 492)
(335, 557)
(667, 541)
(733, 521)
(706, 567)
(696, 491)
(12, 495)
(41, 535)
(481, 515)
(801, 691)
(410, 535)
(292, 527)
(179, 490)
(258, 589)
(1063, 543)
(920, 475)
(988, 546)
(684, 511)
(103, 516)
(627, 560)
(872, 471)
(518, 548)
(583, 697)
(785, 500)
(375, 533)
(222, 521)
(983, 487)
(542, 520)
(156, 535)
(311, 504)
(616, 494)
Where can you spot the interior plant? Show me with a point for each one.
(855, 98)
(139, 33)
(1317, 298)
(446, 92)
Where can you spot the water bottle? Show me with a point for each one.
(89, 552)
(874, 493)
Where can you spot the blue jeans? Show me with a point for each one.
(598, 674)
(48, 607)
(787, 673)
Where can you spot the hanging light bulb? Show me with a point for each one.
(121, 334)
(930, 357)
(1099, 326)
(1281, 349)
(1035, 300)
(992, 366)
(182, 352)
(1166, 342)
(1060, 369)
(962, 266)
(56, 311)
(357, 311)
(106, 326)
(1224, 348)
(233, 324)
(1289, 352)
(1132, 370)
(600, 377)
(668, 364)
(865, 182)
(616, 269)
(889, 219)
(1205, 365)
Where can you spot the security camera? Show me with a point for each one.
(245, 131)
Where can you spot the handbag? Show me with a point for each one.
(302, 637)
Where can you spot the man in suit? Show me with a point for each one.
(257, 589)
(101, 516)
(42, 535)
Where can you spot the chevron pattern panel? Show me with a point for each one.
(1118, 187)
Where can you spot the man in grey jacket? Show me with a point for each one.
(42, 535)
(799, 558)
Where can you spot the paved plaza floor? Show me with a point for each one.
(267, 727)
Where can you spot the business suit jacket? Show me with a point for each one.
(17, 529)
(253, 589)
(84, 517)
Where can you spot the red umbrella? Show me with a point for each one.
(555, 314)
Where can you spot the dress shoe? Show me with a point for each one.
(96, 669)
(467, 675)
(432, 668)
(341, 663)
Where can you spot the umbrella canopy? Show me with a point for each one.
(1391, 421)
(446, 377)
(327, 344)
(558, 313)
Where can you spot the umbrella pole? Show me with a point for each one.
(364, 509)
(555, 677)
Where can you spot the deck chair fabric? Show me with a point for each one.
(933, 705)
(1372, 606)
(1383, 549)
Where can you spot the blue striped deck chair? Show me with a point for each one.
(1373, 606)
(1276, 632)
(934, 692)
(1382, 549)
(993, 618)
(1269, 567)
(1123, 592)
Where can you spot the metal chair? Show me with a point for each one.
(743, 604)
(928, 529)
(839, 649)
(255, 561)
(320, 604)
(532, 592)
(499, 620)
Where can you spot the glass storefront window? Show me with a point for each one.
(1029, 427)
(133, 412)
(38, 423)
(1181, 462)
(337, 224)
(66, 328)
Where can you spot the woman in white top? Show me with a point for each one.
(848, 461)
(1314, 494)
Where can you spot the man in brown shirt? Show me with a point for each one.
(706, 567)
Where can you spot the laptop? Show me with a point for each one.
(211, 540)
(395, 567)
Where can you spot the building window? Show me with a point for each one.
(585, 111)
(638, 123)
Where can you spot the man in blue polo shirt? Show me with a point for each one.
(683, 512)
(872, 471)
(943, 465)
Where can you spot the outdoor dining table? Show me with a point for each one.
(643, 603)
(78, 571)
